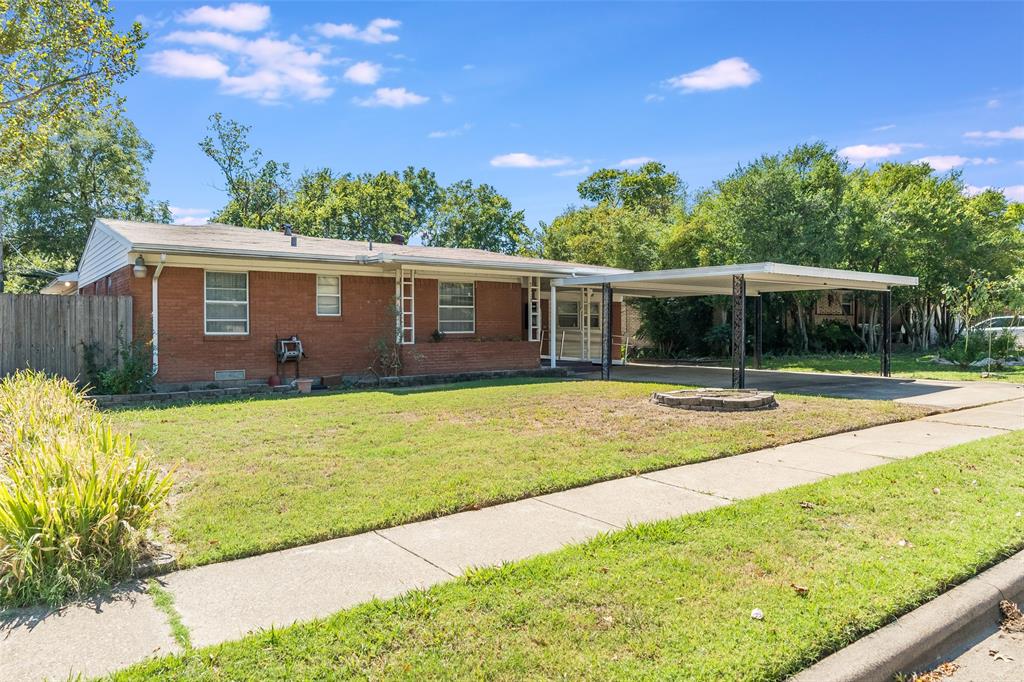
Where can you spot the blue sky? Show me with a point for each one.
(531, 96)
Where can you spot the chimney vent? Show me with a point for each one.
(295, 240)
(288, 230)
(398, 239)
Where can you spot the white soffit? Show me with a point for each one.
(760, 278)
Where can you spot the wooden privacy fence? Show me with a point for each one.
(49, 333)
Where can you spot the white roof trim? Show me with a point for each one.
(760, 277)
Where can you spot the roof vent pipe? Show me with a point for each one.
(288, 231)
(398, 239)
(295, 240)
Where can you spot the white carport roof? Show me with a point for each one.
(760, 278)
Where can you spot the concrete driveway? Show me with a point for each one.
(947, 395)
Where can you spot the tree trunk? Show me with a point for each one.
(801, 324)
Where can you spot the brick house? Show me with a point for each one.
(213, 301)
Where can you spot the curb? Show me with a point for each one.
(932, 634)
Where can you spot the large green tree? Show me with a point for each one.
(92, 167)
(651, 187)
(58, 59)
(477, 217)
(605, 235)
(257, 190)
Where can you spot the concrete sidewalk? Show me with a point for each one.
(225, 601)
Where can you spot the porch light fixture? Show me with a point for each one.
(140, 268)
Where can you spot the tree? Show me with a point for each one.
(93, 167)
(605, 235)
(650, 187)
(782, 207)
(58, 59)
(257, 192)
(477, 218)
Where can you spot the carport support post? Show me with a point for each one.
(739, 327)
(552, 323)
(606, 330)
(885, 345)
(758, 330)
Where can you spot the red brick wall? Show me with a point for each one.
(453, 356)
(283, 304)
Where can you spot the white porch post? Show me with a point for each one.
(552, 322)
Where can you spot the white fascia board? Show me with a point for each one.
(792, 277)
(260, 255)
(544, 270)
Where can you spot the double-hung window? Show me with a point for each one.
(328, 295)
(568, 314)
(456, 312)
(227, 303)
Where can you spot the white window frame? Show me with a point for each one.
(559, 314)
(317, 295)
(439, 306)
(206, 301)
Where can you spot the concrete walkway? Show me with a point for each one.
(225, 601)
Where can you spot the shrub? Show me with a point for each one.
(832, 336)
(127, 372)
(979, 345)
(75, 497)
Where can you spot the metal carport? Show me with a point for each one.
(739, 282)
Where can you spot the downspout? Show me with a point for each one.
(156, 323)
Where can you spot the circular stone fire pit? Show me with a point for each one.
(717, 399)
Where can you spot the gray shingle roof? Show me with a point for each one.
(228, 240)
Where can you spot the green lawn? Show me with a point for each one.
(259, 475)
(904, 364)
(672, 600)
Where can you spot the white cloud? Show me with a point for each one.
(180, 64)
(214, 39)
(888, 126)
(363, 73)
(1011, 192)
(454, 132)
(238, 16)
(654, 97)
(945, 163)
(377, 31)
(582, 170)
(265, 69)
(993, 103)
(734, 72)
(1015, 133)
(861, 153)
(396, 98)
(190, 216)
(635, 161)
(468, 67)
(523, 160)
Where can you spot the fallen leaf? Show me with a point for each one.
(800, 589)
(808, 505)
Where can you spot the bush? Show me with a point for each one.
(127, 372)
(832, 336)
(980, 345)
(75, 497)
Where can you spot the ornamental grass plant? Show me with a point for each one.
(76, 497)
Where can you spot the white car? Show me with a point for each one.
(1005, 323)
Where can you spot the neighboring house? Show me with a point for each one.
(62, 285)
(224, 295)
